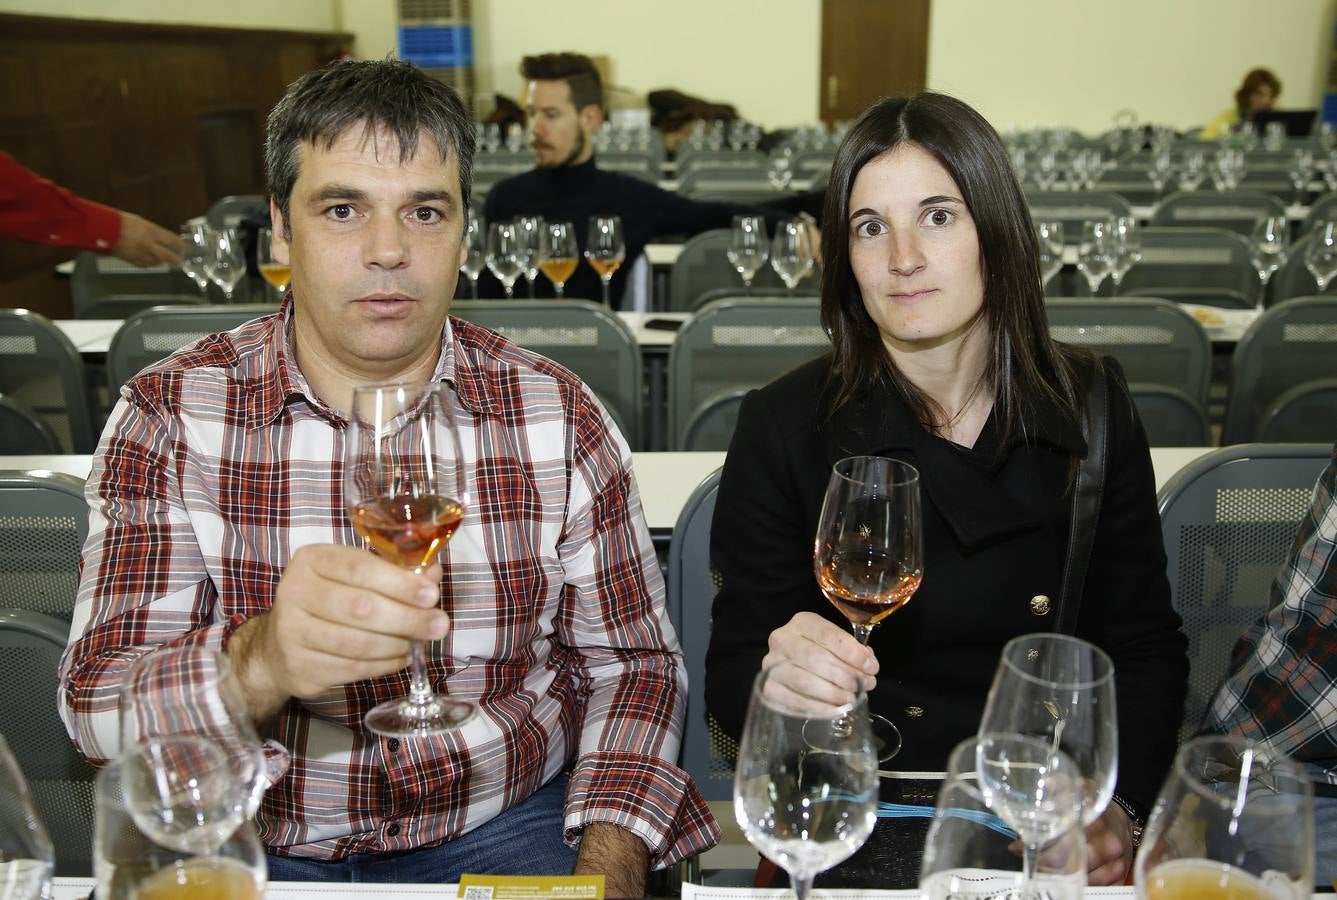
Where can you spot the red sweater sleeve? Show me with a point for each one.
(34, 209)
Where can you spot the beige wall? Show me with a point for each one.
(292, 15)
(1078, 62)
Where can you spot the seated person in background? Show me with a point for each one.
(1282, 686)
(942, 358)
(217, 519)
(564, 103)
(34, 209)
(1259, 92)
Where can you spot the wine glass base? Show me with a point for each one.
(886, 738)
(407, 718)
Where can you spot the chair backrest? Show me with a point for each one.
(60, 781)
(736, 344)
(228, 212)
(1192, 263)
(1290, 344)
(690, 159)
(813, 164)
(1306, 413)
(1072, 208)
(585, 337)
(703, 265)
(154, 334)
(732, 186)
(1237, 211)
(23, 431)
(1228, 521)
(706, 752)
(1154, 341)
(1293, 278)
(43, 525)
(1323, 209)
(640, 163)
(123, 306)
(97, 276)
(41, 368)
(711, 425)
(1170, 417)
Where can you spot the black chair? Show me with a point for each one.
(43, 526)
(42, 369)
(1304, 414)
(22, 430)
(1170, 417)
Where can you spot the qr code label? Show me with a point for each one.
(478, 892)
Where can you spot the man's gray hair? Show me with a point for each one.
(390, 95)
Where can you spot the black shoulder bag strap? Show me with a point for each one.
(1086, 496)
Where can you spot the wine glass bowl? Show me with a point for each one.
(225, 264)
(197, 250)
(868, 555)
(1050, 235)
(475, 253)
(531, 230)
(605, 249)
(560, 255)
(748, 248)
(1321, 256)
(27, 857)
(277, 274)
(505, 257)
(406, 490)
(1233, 819)
(1270, 242)
(182, 794)
(1060, 690)
(1096, 252)
(791, 253)
(805, 785)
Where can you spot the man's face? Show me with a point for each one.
(559, 133)
(375, 250)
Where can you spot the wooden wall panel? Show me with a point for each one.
(141, 117)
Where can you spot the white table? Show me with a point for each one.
(666, 480)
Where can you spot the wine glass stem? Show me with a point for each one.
(802, 887)
(559, 285)
(605, 286)
(420, 689)
(531, 286)
(1030, 862)
(862, 632)
(473, 287)
(510, 290)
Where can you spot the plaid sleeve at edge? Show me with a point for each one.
(1282, 687)
(655, 800)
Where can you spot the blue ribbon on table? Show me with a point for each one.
(908, 811)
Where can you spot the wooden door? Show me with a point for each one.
(871, 49)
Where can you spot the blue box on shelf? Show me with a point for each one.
(437, 46)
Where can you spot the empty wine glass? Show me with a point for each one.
(128, 864)
(1301, 171)
(529, 230)
(1032, 787)
(1321, 257)
(505, 259)
(1060, 689)
(475, 253)
(1049, 233)
(805, 786)
(1233, 819)
(1227, 169)
(1192, 170)
(226, 263)
(868, 555)
(1096, 252)
(196, 254)
(1159, 170)
(271, 270)
(26, 854)
(791, 252)
(1270, 242)
(748, 248)
(560, 255)
(406, 490)
(970, 853)
(157, 706)
(182, 794)
(1127, 248)
(605, 249)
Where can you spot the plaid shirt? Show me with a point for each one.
(1282, 687)
(219, 463)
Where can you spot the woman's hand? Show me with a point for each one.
(820, 665)
(1109, 847)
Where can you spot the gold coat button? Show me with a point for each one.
(1040, 605)
(914, 712)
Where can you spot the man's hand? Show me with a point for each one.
(144, 244)
(818, 664)
(340, 615)
(616, 854)
(1109, 847)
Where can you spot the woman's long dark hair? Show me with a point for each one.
(1024, 363)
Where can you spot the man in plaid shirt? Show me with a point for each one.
(217, 519)
(1282, 687)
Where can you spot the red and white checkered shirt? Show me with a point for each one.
(219, 463)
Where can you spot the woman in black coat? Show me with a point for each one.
(942, 357)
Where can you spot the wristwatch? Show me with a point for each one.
(1137, 817)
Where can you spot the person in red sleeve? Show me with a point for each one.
(34, 209)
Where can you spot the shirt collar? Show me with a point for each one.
(957, 480)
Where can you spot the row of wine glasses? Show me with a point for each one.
(790, 251)
(1108, 247)
(218, 257)
(529, 245)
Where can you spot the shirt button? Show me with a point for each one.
(393, 830)
(1040, 605)
(392, 745)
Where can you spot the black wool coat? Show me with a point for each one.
(996, 522)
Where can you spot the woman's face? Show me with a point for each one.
(914, 250)
(1261, 98)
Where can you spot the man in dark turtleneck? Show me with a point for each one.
(564, 105)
